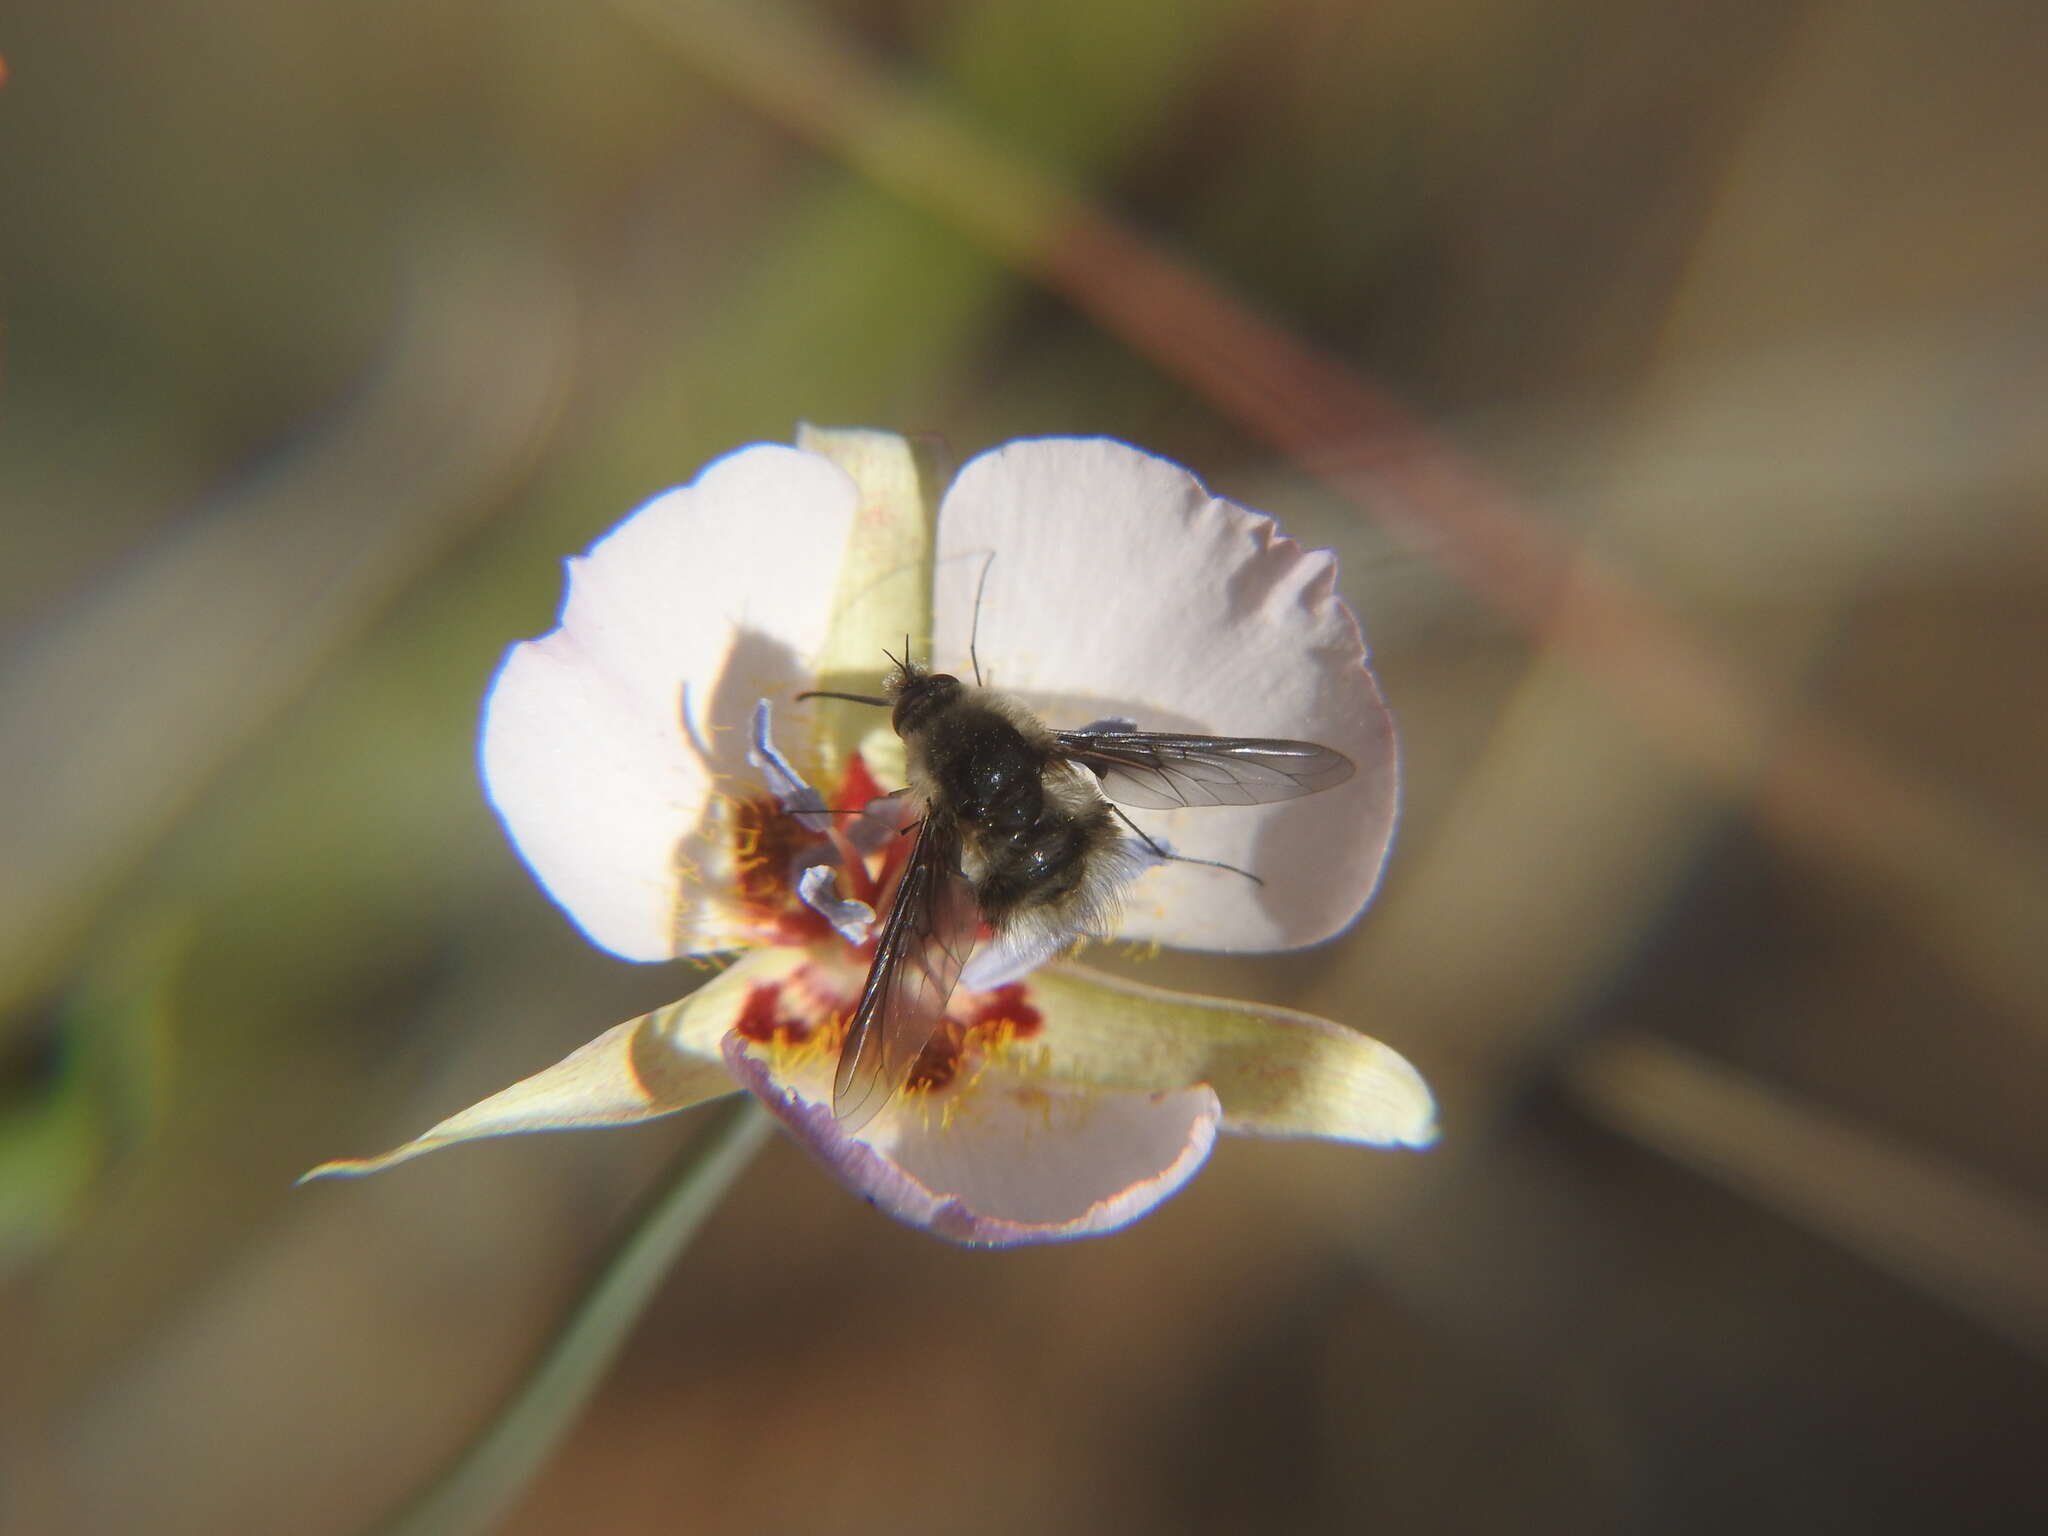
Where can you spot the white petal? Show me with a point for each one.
(605, 740)
(1120, 586)
(1011, 1160)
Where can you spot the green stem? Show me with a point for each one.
(495, 1468)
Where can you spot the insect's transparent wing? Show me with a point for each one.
(925, 940)
(1158, 771)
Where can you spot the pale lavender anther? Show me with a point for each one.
(803, 803)
(818, 888)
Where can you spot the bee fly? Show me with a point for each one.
(1018, 830)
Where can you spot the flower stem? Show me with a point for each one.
(491, 1472)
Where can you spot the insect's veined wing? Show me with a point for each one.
(1159, 772)
(925, 940)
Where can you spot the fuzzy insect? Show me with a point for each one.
(1017, 830)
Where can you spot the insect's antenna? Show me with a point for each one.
(851, 698)
(1179, 858)
(974, 628)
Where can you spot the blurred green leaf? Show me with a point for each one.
(86, 1086)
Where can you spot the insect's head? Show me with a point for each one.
(915, 694)
(919, 696)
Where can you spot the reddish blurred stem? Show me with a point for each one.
(1817, 789)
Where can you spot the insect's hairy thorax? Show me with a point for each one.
(1028, 823)
(985, 767)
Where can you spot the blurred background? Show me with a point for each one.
(1717, 918)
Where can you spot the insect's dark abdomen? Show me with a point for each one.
(1043, 864)
(1034, 851)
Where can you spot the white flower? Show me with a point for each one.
(653, 766)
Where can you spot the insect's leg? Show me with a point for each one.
(1178, 858)
(848, 810)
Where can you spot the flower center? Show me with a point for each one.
(813, 872)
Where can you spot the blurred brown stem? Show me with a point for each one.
(1981, 1249)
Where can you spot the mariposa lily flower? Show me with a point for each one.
(658, 772)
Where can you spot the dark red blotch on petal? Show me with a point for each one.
(939, 1062)
(763, 1021)
(1005, 1006)
(858, 787)
(1002, 1012)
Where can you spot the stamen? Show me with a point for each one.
(853, 920)
(787, 785)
